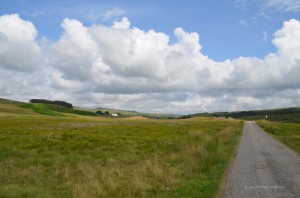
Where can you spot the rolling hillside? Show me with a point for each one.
(45, 152)
(57, 110)
(291, 114)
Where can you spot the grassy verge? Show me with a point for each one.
(288, 133)
(50, 156)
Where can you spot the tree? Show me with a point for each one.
(99, 112)
(106, 113)
(56, 102)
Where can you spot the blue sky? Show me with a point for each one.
(152, 56)
(227, 29)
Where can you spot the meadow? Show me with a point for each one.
(67, 155)
(288, 133)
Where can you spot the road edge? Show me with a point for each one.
(277, 140)
(224, 179)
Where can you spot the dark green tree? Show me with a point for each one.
(99, 112)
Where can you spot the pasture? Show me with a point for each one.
(68, 155)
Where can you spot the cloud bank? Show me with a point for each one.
(120, 66)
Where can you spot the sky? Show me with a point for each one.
(152, 56)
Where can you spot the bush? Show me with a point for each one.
(99, 112)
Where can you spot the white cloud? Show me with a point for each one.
(125, 67)
(97, 14)
(287, 40)
(75, 51)
(19, 50)
(241, 3)
(123, 24)
(277, 5)
(114, 13)
(283, 5)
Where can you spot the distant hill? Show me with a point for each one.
(291, 114)
(58, 110)
(10, 101)
(130, 113)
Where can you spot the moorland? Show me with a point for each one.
(46, 151)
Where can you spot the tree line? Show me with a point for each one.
(56, 102)
(99, 112)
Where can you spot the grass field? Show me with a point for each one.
(84, 156)
(288, 133)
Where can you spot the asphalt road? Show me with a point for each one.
(263, 167)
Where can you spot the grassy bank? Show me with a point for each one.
(77, 156)
(288, 133)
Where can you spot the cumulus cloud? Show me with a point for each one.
(120, 66)
(123, 24)
(75, 51)
(18, 48)
(287, 42)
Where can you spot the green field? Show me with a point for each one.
(54, 154)
(288, 133)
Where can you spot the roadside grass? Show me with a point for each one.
(77, 156)
(288, 133)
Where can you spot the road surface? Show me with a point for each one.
(263, 167)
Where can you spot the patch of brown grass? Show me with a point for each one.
(136, 118)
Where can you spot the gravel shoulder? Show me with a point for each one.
(263, 167)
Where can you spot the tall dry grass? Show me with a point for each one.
(46, 156)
